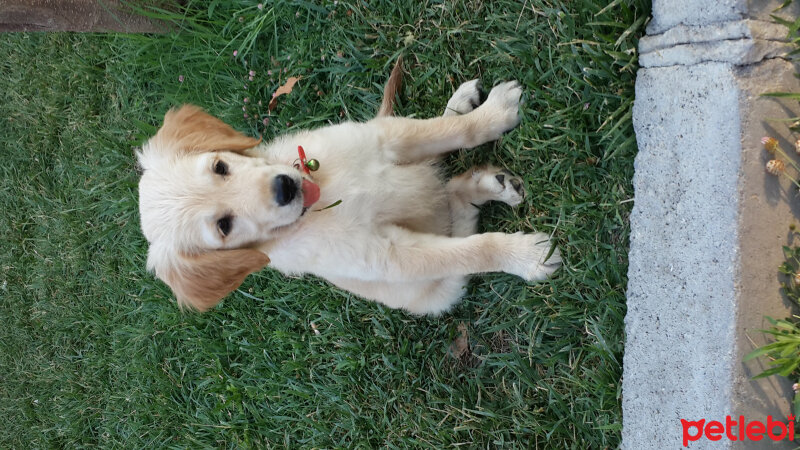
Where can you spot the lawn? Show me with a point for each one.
(95, 352)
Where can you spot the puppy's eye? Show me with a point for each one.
(224, 225)
(220, 168)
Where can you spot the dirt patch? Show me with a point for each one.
(77, 15)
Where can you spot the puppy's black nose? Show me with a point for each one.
(285, 189)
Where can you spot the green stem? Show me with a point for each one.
(793, 180)
(786, 157)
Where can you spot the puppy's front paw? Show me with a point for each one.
(501, 108)
(466, 98)
(528, 257)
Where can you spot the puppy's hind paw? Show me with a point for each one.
(498, 184)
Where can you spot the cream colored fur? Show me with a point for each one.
(400, 236)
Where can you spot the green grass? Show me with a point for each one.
(95, 353)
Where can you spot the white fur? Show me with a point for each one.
(399, 236)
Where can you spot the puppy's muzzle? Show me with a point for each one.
(285, 189)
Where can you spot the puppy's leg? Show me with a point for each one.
(475, 187)
(418, 297)
(415, 256)
(391, 253)
(410, 140)
(466, 98)
(439, 296)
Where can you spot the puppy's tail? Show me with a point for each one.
(391, 88)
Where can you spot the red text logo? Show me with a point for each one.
(741, 430)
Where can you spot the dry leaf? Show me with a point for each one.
(460, 345)
(285, 89)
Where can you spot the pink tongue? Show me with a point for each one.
(310, 193)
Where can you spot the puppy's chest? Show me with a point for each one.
(375, 191)
(356, 174)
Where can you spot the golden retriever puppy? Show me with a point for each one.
(217, 205)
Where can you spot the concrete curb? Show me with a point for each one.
(708, 223)
(739, 42)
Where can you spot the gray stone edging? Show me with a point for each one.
(708, 223)
(739, 42)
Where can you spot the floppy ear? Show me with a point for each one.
(191, 129)
(201, 281)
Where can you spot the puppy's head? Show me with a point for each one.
(206, 205)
